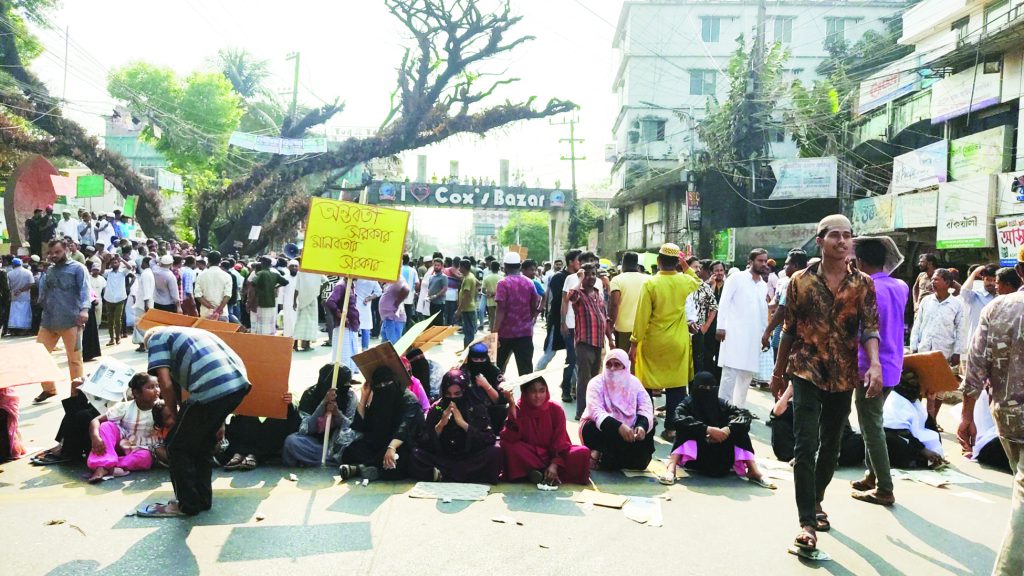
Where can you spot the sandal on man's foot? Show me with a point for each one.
(807, 539)
(43, 397)
(821, 522)
(863, 485)
(234, 463)
(248, 463)
(158, 510)
(875, 497)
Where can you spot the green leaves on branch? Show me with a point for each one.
(531, 230)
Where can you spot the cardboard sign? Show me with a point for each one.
(354, 240)
(424, 336)
(268, 362)
(523, 251)
(28, 363)
(933, 372)
(254, 232)
(382, 354)
(109, 380)
(63, 186)
(130, 205)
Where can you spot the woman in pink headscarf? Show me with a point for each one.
(618, 422)
(535, 442)
(10, 438)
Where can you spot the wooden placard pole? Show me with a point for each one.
(340, 343)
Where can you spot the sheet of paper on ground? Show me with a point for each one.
(28, 363)
(449, 491)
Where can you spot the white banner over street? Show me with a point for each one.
(804, 178)
(275, 145)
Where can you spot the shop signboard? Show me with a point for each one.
(965, 92)
(964, 214)
(873, 214)
(980, 154)
(1009, 238)
(920, 168)
(915, 210)
(803, 178)
(724, 248)
(777, 240)
(885, 87)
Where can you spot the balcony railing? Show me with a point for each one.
(1015, 15)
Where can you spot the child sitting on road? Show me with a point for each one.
(123, 438)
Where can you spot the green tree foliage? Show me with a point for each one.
(586, 217)
(248, 76)
(531, 229)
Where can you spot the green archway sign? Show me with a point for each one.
(430, 195)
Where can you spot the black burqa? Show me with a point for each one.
(393, 413)
(478, 363)
(703, 409)
(314, 395)
(419, 367)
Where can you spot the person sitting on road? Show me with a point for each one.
(415, 386)
(388, 419)
(252, 440)
(712, 436)
(910, 443)
(984, 450)
(457, 443)
(73, 440)
(535, 442)
(11, 447)
(618, 422)
(780, 420)
(484, 381)
(305, 446)
(124, 437)
(428, 372)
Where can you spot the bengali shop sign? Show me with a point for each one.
(1009, 238)
(965, 92)
(920, 168)
(980, 154)
(964, 216)
(354, 240)
(886, 87)
(915, 210)
(873, 215)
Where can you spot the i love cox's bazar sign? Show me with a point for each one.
(466, 196)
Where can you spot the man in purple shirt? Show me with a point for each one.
(333, 305)
(392, 310)
(517, 302)
(878, 257)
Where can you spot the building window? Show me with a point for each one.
(835, 30)
(996, 14)
(702, 82)
(710, 28)
(959, 28)
(652, 130)
(777, 135)
(784, 29)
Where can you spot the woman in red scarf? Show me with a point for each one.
(536, 444)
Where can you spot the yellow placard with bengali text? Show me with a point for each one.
(354, 240)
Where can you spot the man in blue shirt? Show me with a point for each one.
(65, 300)
(197, 362)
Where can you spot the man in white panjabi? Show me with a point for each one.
(288, 299)
(307, 288)
(742, 318)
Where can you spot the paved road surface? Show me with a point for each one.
(262, 523)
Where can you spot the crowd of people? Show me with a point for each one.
(694, 336)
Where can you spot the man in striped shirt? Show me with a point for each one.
(590, 333)
(199, 363)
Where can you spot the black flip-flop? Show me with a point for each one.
(821, 523)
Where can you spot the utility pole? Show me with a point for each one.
(754, 95)
(64, 91)
(572, 158)
(295, 83)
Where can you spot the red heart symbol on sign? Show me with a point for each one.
(420, 192)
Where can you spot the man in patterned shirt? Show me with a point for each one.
(707, 309)
(996, 363)
(830, 307)
(518, 303)
(200, 363)
(590, 333)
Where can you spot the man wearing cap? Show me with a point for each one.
(20, 281)
(995, 363)
(878, 257)
(68, 227)
(104, 231)
(65, 300)
(517, 305)
(165, 286)
(288, 300)
(742, 319)
(660, 343)
(87, 230)
(830, 306)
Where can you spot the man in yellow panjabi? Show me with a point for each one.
(660, 344)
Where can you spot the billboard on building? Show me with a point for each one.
(915, 210)
(804, 178)
(873, 215)
(965, 92)
(1010, 193)
(1009, 238)
(920, 168)
(886, 87)
(981, 154)
(964, 214)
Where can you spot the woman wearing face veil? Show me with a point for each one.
(535, 442)
(712, 435)
(457, 443)
(305, 446)
(484, 380)
(388, 418)
(618, 422)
